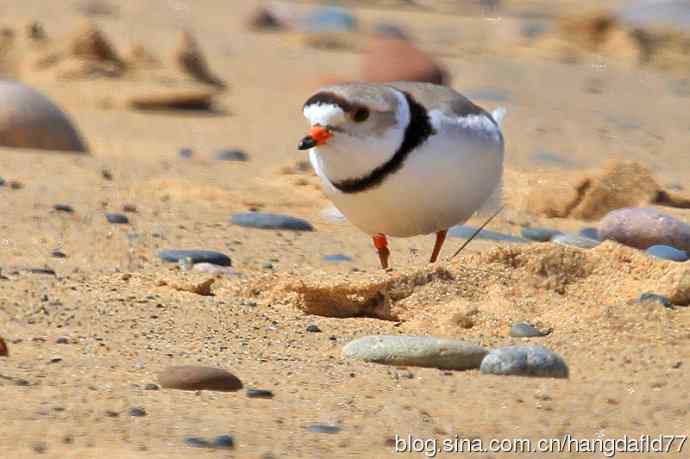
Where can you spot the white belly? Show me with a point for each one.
(439, 186)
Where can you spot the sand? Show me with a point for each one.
(127, 315)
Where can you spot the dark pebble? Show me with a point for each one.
(197, 442)
(465, 232)
(22, 382)
(232, 155)
(312, 328)
(137, 411)
(151, 386)
(15, 185)
(539, 234)
(534, 361)
(651, 297)
(666, 252)
(39, 447)
(62, 340)
(129, 208)
(220, 442)
(185, 152)
(106, 174)
(112, 414)
(55, 360)
(270, 221)
(259, 393)
(223, 441)
(120, 219)
(323, 428)
(47, 271)
(2, 181)
(198, 378)
(525, 330)
(336, 258)
(63, 208)
(197, 256)
(591, 233)
(58, 254)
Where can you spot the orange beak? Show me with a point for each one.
(318, 135)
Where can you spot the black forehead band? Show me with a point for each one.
(329, 98)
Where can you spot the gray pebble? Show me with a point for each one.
(645, 227)
(58, 254)
(465, 232)
(199, 378)
(223, 442)
(137, 411)
(197, 256)
(323, 428)
(313, 328)
(197, 442)
(262, 220)
(63, 208)
(534, 361)
(151, 386)
(259, 393)
(666, 252)
(574, 240)
(422, 351)
(525, 330)
(651, 297)
(336, 258)
(539, 234)
(185, 152)
(232, 155)
(118, 219)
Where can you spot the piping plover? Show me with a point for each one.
(405, 158)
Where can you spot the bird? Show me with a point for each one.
(404, 158)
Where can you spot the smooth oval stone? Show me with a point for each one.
(525, 330)
(539, 234)
(262, 220)
(137, 411)
(232, 155)
(421, 351)
(666, 252)
(336, 258)
(533, 361)
(313, 328)
(574, 240)
(28, 119)
(466, 232)
(651, 297)
(590, 233)
(223, 441)
(118, 219)
(199, 378)
(323, 428)
(259, 393)
(63, 208)
(645, 227)
(185, 152)
(197, 442)
(197, 256)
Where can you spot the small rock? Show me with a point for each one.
(197, 256)
(232, 155)
(534, 361)
(525, 330)
(119, 219)
(55, 360)
(465, 232)
(137, 411)
(259, 393)
(197, 442)
(323, 428)
(590, 233)
(4, 351)
(16, 185)
(199, 378)
(666, 252)
(574, 240)
(131, 208)
(336, 258)
(312, 328)
(651, 297)
(223, 442)
(422, 351)
(58, 254)
(185, 152)
(111, 414)
(39, 447)
(63, 208)
(22, 382)
(151, 386)
(539, 234)
(645, 227)
(270, 221)
(62, 340)
(106, 174)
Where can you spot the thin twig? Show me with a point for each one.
(476, 233)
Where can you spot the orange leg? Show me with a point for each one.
(381, 245)
(440, 238)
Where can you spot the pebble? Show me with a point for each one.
(62, 340)
(259, 393)
(312, 328)
(534, 361)
(4, 351)
(58, 254)
(525, 330)
(106, 174)
(465, 232)
(323, 428)
(198, 378)
(651, 297)
(185, 152)
(197, 256)
(129, 208)
(422, 351)
(151, 386)
(63, 208)
(223, 441)
(574, 240)
(22, 382)
(137, 411)
(539, 234)
(232, 155)
(197, 442)
(118, 219)
(666, 252)
(336, 258)
(39, 447)
(645, 227)
(262, 220)
(220, 442)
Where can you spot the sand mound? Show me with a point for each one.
(592, 195)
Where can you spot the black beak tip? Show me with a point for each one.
(306, 143)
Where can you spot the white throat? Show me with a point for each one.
(348, 156)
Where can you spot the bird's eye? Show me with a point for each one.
(360, 115)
